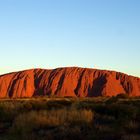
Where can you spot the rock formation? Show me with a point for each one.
(80, 82)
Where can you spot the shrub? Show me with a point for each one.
(123, 96)
(112, 100)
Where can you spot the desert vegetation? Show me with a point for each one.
(100, 118)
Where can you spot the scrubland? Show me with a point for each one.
(100, 118)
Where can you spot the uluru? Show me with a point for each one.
(67, 82)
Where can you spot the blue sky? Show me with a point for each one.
(103, 34)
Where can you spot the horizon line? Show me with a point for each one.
(63, 67)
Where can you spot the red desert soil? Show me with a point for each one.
(80, 82)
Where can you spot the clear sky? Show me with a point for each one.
(103, 34)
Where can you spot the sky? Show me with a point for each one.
(102, 34)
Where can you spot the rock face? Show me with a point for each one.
(80, 82)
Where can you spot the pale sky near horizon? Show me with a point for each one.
(103, 34)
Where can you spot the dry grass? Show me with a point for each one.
(28, 122)
(131, 126)
(131, 137)
(70, 118)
